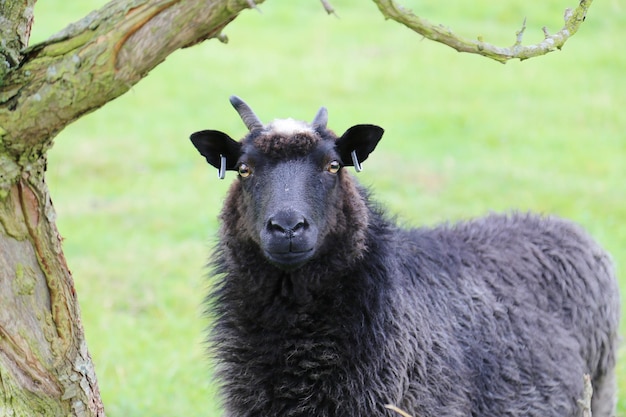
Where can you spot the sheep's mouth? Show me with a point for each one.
(289, 260)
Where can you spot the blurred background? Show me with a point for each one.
(137, 205)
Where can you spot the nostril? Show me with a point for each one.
(300, 225)
(287, 224)
(274, 226)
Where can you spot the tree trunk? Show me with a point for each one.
(45, 367)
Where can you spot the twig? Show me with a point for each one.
(397, 410)
(328, 7)
(439, 33)
(253, 5)
(546, 34)
(520, 34)
(222, 37)
(585, 402)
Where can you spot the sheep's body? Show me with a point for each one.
(498, 316)
(501, 316)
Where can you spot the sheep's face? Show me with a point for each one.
(290, 182)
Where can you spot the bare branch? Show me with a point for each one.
(573, 19)
(546, 34)
(520, 34)
(328, 7)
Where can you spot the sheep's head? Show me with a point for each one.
(291, 182)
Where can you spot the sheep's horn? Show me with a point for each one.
(321, 118)
(250, 119)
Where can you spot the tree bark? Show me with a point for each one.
(45, 367)
(16, 18)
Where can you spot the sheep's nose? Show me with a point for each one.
(287, 223)
(288, 238)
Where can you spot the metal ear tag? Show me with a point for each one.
(355, 161)
(221, 173)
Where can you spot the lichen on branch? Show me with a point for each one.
(439, 33)
(90, 63)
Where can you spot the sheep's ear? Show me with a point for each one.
(219, 149)
(357, 143)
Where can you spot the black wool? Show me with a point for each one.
(324, 307)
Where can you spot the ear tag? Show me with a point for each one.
(355, 161)
(221, 173)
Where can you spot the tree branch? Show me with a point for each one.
(16, 19)
(92, 62)
(328, 7)
(573, 19)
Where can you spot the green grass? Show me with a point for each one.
(137, 205)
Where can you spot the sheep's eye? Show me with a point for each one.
(244, 170)
(333, 167)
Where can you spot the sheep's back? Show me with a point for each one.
(531, 302)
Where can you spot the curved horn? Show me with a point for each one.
(321, 118)
(250, 119)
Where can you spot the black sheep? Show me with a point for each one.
(324, 307)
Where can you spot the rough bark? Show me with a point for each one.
(45, 368)
(16, 18)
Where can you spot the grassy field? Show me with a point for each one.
(137, 205)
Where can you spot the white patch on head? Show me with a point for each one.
(288, 127)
